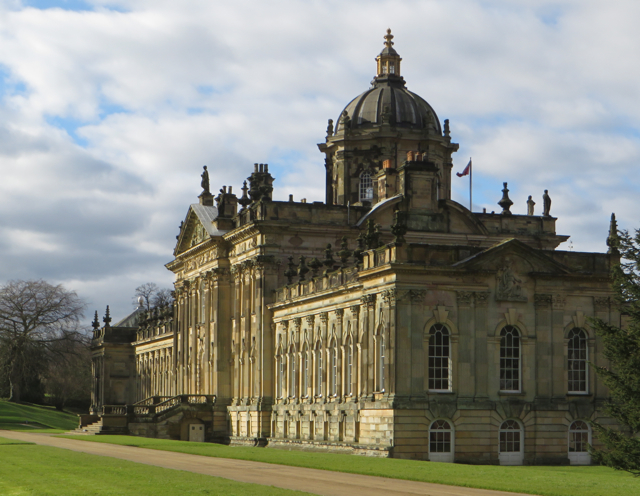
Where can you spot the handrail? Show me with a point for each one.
(114, 409)
(150, 406)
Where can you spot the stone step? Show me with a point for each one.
(88, 430)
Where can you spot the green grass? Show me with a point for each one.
(545, 481)
(35, 418)
(4, 440)
(45, 471)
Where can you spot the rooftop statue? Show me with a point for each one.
(205, 180)
(530, 205)
(547, 204)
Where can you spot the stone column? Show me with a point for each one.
(390, 299)
(601, 310)
(558, 383)
(324, 319)
(340, 350)
(236, 273)
(544, 354)
(308, 391)
(368, 365)
(466, 346)
(357, 356)
(482, 368)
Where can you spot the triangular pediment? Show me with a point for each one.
(517, 256)
(197, 227)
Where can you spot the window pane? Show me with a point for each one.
(509, 359)
(577, 361)
(439, 358)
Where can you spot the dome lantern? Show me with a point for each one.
(388, 61)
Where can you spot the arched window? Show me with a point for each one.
(334, 368)
(293, 379)
(305, 371)
(381, 352)
(439, 358)
(577, 361)
(579, 440)
(441, 442)
(318, 368)
(511, 443)
(509, 359)
(366, 187)
(349, 378)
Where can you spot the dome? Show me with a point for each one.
(389, 96)
(388, 101)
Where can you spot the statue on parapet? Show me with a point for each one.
(205, 181)
(330, 128)
(547, 204)
(530, 205)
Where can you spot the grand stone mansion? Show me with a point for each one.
(388, 320)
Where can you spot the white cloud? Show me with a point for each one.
(107, 115)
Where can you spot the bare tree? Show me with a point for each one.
(37, 319)
(152, 295)
(68, 378)
(163, 298)
(146, 291)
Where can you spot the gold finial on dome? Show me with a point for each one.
(387, 38)
(388, 60)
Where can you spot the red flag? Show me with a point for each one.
(466, 170)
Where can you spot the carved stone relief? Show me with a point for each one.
(509, 286)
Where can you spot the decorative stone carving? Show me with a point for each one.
(324, 317)
(482, 299)
(542, 300)
(530, 206)
(205, 180)
(508, 287)
(511, 317)
(505, 202)
(546, 199)
(330, 128)
(464, 298)
(389, 296)
(558, 302)
(601, 302)
(578, 319)
(417, 295)
(310, 320)
(368, 300)
(440, 313)
(355, 310)
(339, 314)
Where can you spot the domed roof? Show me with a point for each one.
(388, 101)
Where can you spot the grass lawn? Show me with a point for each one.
(12, 441)
(546, 481)
(45, 471)
(35, 418)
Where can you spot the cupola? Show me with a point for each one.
(388, 61)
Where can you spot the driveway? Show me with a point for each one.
(313, 481)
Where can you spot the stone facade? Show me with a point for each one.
(423, 331)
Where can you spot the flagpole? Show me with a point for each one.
(470, 185)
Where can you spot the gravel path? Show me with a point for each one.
(313, 481)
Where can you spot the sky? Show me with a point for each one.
(109, 110)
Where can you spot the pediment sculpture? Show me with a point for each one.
(508, 285)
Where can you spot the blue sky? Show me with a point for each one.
(109, 109)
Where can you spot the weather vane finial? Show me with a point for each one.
(388, 37)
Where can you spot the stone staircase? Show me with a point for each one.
(88, 430)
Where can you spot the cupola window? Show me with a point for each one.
(388, 60)
(366, 187)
